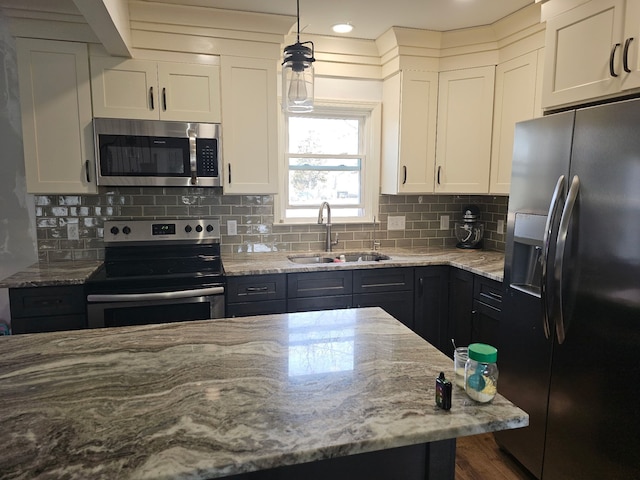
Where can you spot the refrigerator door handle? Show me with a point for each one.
(558, 193)
(560, 248)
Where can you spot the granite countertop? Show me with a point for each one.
(213, 398)
(51, 274)
(482, 262)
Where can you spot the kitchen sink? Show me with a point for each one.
(311, 259)
(348, 257)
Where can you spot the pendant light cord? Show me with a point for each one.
(298, 16)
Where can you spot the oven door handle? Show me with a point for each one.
(132, 297)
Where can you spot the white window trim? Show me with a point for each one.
(371, 183)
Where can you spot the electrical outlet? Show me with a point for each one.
(232, 227)
(72, 231)
(444, 222)
(500, 226)
(396, 223)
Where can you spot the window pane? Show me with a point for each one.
(312, 187)
(328, 136)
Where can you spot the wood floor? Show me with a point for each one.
(479, 458)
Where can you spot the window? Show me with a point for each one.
(329, 155)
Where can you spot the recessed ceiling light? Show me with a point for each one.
(342, 28)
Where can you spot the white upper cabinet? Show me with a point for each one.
(591, 53)
(55, 100)
(249, 125)
(463, 147)
(410, 100)
(150, 90)
(516, 99)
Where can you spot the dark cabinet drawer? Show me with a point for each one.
(45, 301)
(256, 308)
(382, 280)
(308, 304)
(47, 309)
(488, 291)
(397, 304)
(256, 288)
(319, 284)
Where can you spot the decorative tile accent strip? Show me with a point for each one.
(254, 215)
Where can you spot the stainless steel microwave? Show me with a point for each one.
(157, 153)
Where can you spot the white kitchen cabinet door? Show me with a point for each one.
(463, 146)
(515, 101)
(149, 90)
(579, 45)
(55, 100)
(631, 46)
(410, 101)
(249, 125)
(189, 92)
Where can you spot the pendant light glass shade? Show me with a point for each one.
(297, 75)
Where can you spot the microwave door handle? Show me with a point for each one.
(193, 162)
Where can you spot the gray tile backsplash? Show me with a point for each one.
(254, 215)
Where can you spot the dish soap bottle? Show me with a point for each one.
(481, 372)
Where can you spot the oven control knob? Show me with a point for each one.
(199, 228)
(209, 228)
(126, 230)
(114, 230)
(188, 229)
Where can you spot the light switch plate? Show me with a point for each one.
(444, 222)
(500, 226)
(396, 223)
(232, 227)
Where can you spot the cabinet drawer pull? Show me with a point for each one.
(625, 55)
(257, 289)
(151, 98)
(612, 57)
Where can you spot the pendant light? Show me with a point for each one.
(297, 75)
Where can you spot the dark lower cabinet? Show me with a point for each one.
(460, 309)
(431, 287)
(256, 295)
(388, 288)
(47, 309)
(328, 302)
(487, 311)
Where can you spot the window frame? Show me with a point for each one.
(370, 168)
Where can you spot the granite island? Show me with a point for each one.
(218, 398)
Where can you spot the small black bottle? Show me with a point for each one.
(443, 392)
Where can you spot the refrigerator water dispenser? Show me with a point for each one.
(526, 267)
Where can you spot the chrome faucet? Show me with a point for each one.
(329, 243)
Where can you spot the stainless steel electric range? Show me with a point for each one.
(157, 271)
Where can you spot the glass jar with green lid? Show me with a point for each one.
(481, 372)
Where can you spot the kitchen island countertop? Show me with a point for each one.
(213, 398)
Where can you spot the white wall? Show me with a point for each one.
(18, 245)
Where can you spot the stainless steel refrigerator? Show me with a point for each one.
(570, 339)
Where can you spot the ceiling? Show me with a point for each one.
(371, 18)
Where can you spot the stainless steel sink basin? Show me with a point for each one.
(348, 257)
(311, 259)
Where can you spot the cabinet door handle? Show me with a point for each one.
(151, 98)
(612, 57)
(421, 286)
(164, 99)
(86, 171)
(439, 169)
(404, 180)
(229, 168)
(625, 55)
